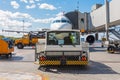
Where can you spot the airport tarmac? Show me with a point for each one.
(102, 66)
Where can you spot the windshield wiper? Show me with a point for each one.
(61, 45)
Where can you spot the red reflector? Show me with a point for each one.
(42, 58)
(83, 58)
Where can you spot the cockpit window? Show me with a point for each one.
(61, 21)
(56, 21)
(63, 38)
(64, 21)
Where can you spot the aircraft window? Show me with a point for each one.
(64, 21)
(56, 21)
(53, 21)
(69, 22)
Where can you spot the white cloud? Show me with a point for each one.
(60, 14)
(9, 19)
(38, 4)
(47, 6)
(37, 0)
(59, 7)
(43, 20)
(25, 1)
(20, 15)
(13, 21)
(30, 7)
(15, 4)
(31, 1)
(8, 14)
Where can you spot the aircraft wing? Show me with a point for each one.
(15, 31)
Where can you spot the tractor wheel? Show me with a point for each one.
(20, 46)
(7, 56)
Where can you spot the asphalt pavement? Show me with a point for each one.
(102, 66)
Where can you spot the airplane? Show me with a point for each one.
(62, 22)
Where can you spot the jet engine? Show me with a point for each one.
(90, 39)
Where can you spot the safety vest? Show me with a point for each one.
(72, 38)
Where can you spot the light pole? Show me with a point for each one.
(23, 27)
(107, 19)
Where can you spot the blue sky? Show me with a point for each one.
(37, 14)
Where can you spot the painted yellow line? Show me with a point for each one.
(3, 78)
(36, 62)
(44, 77)
(22, 76)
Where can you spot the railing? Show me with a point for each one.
(113, 31)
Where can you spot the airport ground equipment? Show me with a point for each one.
(114, 46)
(59, 49)
(6, 47)
(29, 40)
(116, 33)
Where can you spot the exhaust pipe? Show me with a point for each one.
(90, 39)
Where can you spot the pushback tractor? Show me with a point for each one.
(62, 47)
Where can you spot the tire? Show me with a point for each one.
(102, 46)
(10, 55)
(111, 49)
(20, 46)
(7, 56)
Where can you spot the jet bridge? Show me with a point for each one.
(97, 17)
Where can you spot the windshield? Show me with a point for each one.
(63, 38)
(62, 21)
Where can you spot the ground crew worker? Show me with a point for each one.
(67, 40)
(72, 37)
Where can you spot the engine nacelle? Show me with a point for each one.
(90, 39)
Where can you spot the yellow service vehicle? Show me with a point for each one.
(30, 39)
(6, 47)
